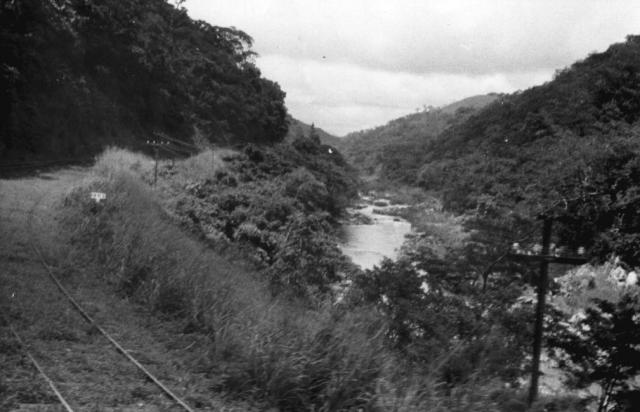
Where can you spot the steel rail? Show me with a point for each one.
(111, 340)
(41, 370)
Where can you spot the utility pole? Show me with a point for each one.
(543, 284)
(156, 153)
(155, 167)
(169, 148)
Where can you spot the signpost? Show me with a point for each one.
(543, 282)
(98, 196)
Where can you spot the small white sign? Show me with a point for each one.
(98, 196)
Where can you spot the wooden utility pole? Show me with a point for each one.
(543, 283)
(155, 167)
(156, 153)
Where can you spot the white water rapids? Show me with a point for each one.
(368, 244)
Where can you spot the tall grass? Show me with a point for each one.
(291, 355)
(204, 165)
(114, 160)
(294, 356)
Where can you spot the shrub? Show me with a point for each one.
(295, 356)
(114, 160)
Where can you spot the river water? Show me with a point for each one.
(368, 244)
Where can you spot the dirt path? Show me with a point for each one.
(89, 373)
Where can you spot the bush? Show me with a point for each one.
(294, 356)
(293, 353)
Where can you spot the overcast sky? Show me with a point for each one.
(353, 64)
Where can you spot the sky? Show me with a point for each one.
(348, 65)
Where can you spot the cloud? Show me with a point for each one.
(351, 64)
(420, 36)
(344, 97)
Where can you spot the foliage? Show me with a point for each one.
(298, 128)
(293, 356)
(282, 202)
(522, 147)
(288, 354)
(394, 152)
(603, 347)
(80, 73)
(307, 256)
(604, 217)
(566, 148)
(451, 334)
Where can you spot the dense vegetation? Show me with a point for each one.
(261, 346)
(76, 74)
(571, 142)
(395, 151)
(566, 147)
(444, 327)
(565, 150)
(290, 346)
(283, 201)
(536, 138)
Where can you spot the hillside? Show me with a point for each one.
(77, 75)
(298, 128)
(526, 145)
(473, 102)
(568, 148)
(393, 151)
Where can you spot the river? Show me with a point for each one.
(368, 244)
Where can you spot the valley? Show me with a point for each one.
(249, 260)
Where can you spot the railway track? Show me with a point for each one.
(100, 343)
(118, 347)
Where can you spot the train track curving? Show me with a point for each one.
(27, 249)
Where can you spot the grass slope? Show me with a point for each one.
(89, 372)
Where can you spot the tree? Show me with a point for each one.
(79, 74)
(454, 335)
(604, 347)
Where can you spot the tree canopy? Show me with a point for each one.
(81, 73)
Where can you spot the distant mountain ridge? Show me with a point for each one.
(379, 151)
(473, 102)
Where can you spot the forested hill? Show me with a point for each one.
(394, 151)
(78, 74)
(545, 143)
(569, 148)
